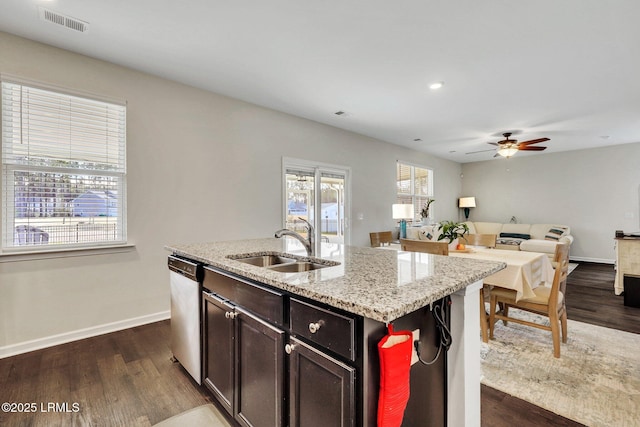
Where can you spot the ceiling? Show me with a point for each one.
(567, 70)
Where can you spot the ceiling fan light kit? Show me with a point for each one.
(508, 147)
(507, 151)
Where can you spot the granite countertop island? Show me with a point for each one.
(382, 285)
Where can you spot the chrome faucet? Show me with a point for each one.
(307, 243)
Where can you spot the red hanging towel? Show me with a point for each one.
(395, 364)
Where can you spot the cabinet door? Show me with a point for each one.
(259, 372)
(219, 347)
(321, 389)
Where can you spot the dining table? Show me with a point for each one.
(524, 272)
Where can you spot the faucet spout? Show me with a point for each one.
(307, 243)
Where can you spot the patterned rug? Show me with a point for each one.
(572, 266)
(595, 382)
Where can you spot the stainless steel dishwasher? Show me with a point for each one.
(185, 277)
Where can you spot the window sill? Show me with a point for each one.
(64, 253)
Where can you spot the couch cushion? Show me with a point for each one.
(413, 233)
(516, 228)
(487, 228)
(537, 245)
(472, 228)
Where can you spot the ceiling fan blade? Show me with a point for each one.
(525, 148)
(480, 151)
(534, 141)
(494, 143)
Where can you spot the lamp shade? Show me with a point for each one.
(402, 211)
(467, 202)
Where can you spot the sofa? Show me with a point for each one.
(519, 237)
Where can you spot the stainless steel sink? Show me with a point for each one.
(283, 263)
(266, 260)
(297, 267)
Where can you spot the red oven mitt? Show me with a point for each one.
(395, 364)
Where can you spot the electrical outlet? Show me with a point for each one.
(414, 355)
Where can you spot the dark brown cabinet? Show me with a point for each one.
(321, 388)
(246, 358)
(244, 363)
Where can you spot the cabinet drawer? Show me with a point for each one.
(264, 302)
(333, 331)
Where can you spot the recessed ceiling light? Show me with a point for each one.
(436, 85)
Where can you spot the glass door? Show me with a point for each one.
(331, 218)
(324, 209)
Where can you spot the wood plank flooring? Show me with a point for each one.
(127, 379)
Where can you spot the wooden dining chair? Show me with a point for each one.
(487, 240)
(380, 238)
(556, 257)
(548, 301)
(426, 246)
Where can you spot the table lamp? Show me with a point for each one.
(466, 203)
(403, 212)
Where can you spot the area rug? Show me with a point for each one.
(572, 266)
(201, 416)
(596, 380)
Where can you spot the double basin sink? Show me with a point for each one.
(284, 263)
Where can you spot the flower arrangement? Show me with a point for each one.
(451, 230)
(424, 212)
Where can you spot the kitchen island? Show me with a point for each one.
(365, 289)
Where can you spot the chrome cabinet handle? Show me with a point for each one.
(314, 327)
(289, 348)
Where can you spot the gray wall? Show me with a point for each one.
(191, 156)
(594, 191)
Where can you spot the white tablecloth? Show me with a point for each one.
(525, 270)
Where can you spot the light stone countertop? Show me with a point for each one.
(382, 285)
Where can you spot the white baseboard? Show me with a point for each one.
(598, 260)
(37, 344)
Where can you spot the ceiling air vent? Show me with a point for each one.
(64, 20)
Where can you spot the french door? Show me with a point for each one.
(317, 193)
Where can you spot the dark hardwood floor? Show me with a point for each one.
(590, 299)
(126, 378)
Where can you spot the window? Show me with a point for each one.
(325, 209)
(63, 170)
(414, 186)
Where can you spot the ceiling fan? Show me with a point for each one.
(508, 147)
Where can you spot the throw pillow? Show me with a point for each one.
(516, 235)
(425, 235)
(555, 233)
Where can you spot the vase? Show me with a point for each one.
(426, 221)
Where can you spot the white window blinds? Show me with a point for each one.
(63, 169)
(414, 185)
